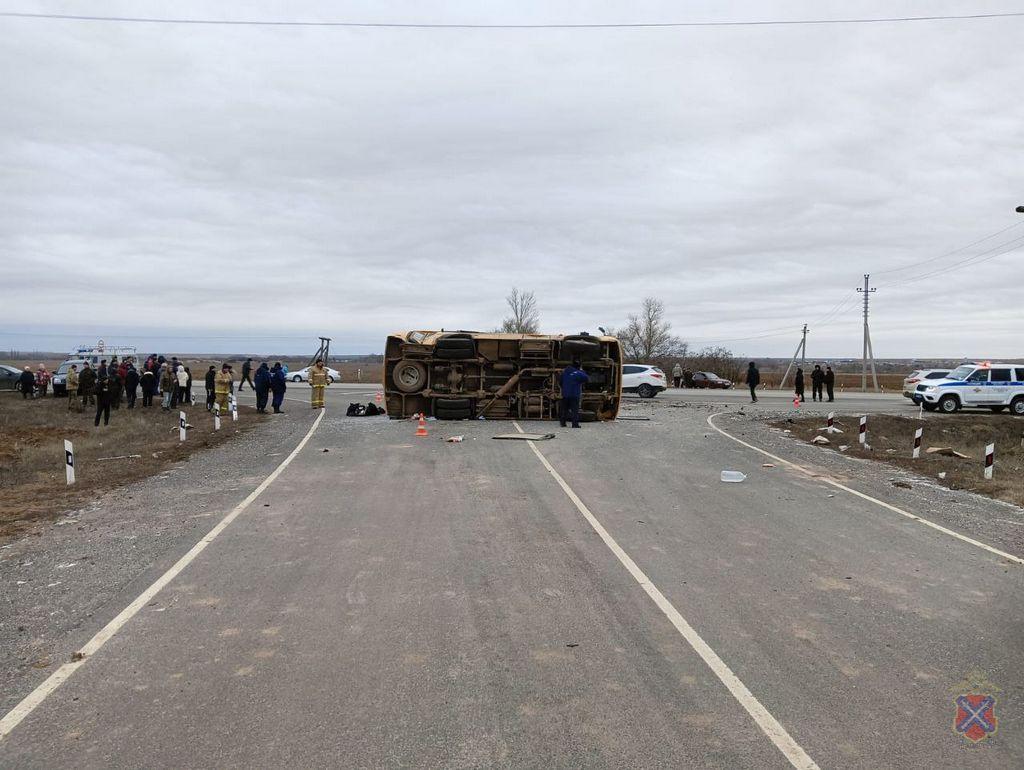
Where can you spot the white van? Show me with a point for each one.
(995, 386)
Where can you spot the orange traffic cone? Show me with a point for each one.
(421, 429)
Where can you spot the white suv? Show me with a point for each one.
(644, 380)
(995, 386)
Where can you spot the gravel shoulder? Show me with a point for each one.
(994, 522)
(68, 577)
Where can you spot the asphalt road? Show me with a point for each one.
(408, 602)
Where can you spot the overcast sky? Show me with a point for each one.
(200, 188)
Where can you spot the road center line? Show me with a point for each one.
(771, 727)
(913, 516)
(62, 674)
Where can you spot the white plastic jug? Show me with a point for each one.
(733, 476)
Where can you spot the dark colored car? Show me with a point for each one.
(710, 380)
(9, 377)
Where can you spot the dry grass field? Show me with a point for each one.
(892, 438)
(137, 443)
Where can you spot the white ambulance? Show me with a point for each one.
(985, 385)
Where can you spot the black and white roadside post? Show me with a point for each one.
(990, 460)
(181, 426)
(69, 462)
(216, 416)
(863, 436)
(233, 406)
(917, 442)
(831, 422)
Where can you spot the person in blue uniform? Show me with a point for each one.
(573, 378)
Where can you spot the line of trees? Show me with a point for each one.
(646, 338)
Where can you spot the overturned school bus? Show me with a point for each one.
(465, 375)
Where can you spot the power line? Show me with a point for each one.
(4, 333)
(949, 253)
(836, 311)
(977, 259)
(411, 25)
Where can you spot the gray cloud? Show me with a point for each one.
(253, 183)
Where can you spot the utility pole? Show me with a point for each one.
(801, 350)
(869, 353)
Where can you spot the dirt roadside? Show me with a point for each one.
(891, 439)
(137, 443)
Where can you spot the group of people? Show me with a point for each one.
(31, 384)
(109, 383)
(819, 379)
(169, 380)
(822, 381)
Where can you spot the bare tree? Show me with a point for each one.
(648, 336)
(525, 318)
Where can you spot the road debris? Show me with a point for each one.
(902, 484)
(455, 439)
(767, 465)
(946, 451)
(733, 477)
(820, 440)
(525, 436)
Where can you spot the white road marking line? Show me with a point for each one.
(62, 674)
(769, 725)
(913, 516)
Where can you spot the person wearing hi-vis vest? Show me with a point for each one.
(222, 387)
(318, 382)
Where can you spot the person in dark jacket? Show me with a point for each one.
(817, 380)
(278, 385)
(211, 387)
(102, 401)
(261, 385)
(830, 383)
(114, 386)
(131, 385)
(753, 380)
(27, 383)
(799, 384)
(148, 383)
(101, 371)
(87, 385)
(246, 375)
(188, 386)
(573, 378)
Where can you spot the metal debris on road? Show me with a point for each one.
(524, 436)
(454, 439)
(820, 440)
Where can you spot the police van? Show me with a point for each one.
(995, 386)
(93, 354)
